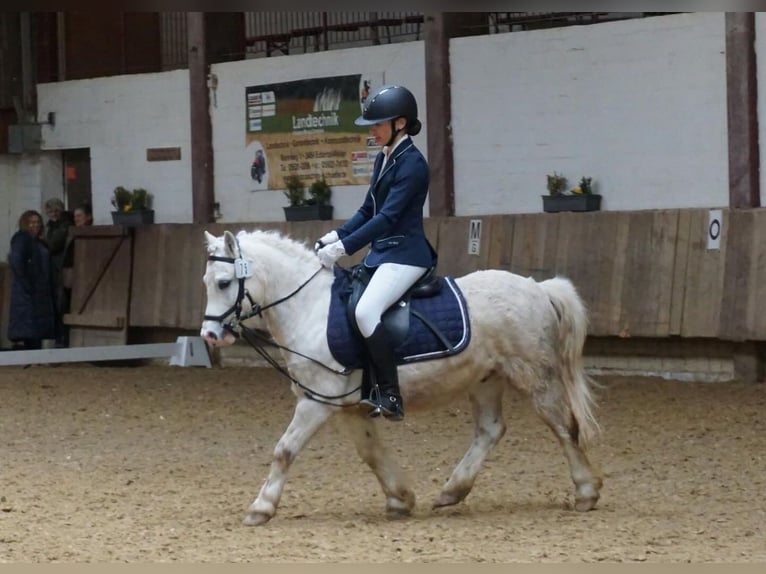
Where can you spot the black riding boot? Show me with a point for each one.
(384, 396)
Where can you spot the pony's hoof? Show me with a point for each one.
(398, 508)
(398, 513)
(587, 496)
(256, 519)
(448, 499)
(585, 504)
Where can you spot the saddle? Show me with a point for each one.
(430, 321)
(396, 318)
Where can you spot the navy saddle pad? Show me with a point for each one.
(447, 311)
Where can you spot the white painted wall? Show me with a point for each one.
(638, 105)
(26, 181)
(401, 63)
(9, 194)
(118, 118)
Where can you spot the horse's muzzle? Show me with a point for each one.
(215, 335)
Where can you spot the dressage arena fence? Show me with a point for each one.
(185, 352)
(659, 297)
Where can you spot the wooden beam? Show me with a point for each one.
(203, 195)
(742, 110)
(61, 43)
(439, 28)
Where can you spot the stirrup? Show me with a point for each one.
(378, 409)
(373, 401)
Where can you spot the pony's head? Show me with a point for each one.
(227, 296)
(250, 273)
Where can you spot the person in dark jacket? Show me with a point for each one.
(83, 217)
(56, 234)
(391, 221)
(33, 311)
(57, 229)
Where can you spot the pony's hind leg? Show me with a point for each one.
(489, 428)
(554, 410)
(400, 499)
(308, 418)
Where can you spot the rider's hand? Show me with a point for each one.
(329, 254)
(326, 239)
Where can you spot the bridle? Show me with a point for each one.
(242, 271)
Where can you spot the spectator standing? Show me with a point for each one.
(83, 217)
(33, 310)
(56, 232)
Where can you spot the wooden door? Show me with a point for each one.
(100, 300)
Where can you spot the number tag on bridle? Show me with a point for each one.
(243, 268)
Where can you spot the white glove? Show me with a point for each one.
(326, 239)
(329, 254)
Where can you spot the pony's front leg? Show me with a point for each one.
(400, 499)
(308, 418)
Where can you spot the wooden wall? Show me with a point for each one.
(641, 274)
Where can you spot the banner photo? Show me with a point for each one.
(306, 128)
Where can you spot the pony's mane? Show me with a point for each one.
(277, 240)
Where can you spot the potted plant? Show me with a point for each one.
(556, 184)
(580, 198)
(320, 194)
(302, 208)
(132, 207)
(295, 192)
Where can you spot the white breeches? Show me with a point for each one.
(388, 284)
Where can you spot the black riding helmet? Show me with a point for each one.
(388, 103)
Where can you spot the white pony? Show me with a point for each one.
(524, 333)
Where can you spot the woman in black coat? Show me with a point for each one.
(33, 312)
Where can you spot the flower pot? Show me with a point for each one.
(133, 218)
(308, 212)
(583, 202)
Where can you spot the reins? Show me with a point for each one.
(257, 310)
(258, 342)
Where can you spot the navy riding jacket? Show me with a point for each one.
(391, 218)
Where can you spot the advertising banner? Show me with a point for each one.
(306, 128)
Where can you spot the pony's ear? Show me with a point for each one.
(210, 238)
(230, 244)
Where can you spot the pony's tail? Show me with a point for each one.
(573, 328)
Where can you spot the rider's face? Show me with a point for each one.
(382, 130)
